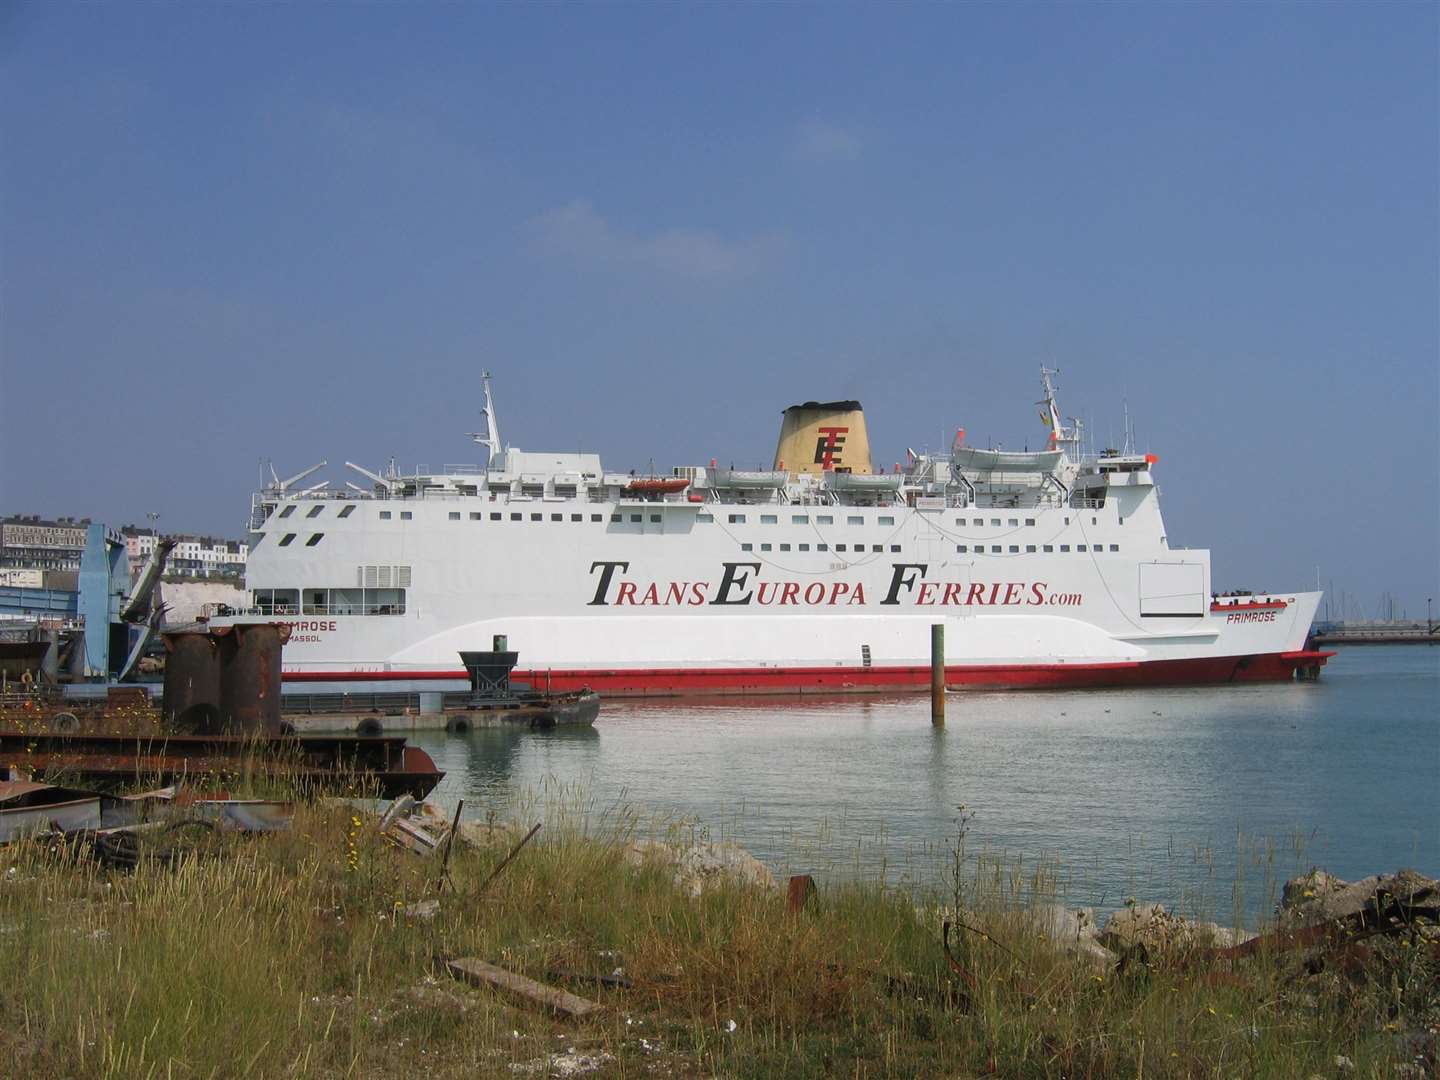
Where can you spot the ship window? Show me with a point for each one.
(285, 540)
(287, 511)
(346, 510)
(822, 547)
(384, 515)
(454, 515)
(993, 521)
(1030, 549)
(747, 547)
(894, 547)
(1064, 547)
(615, 518)
(960, 548)
(1079, 547)
(315, 511)
(1014, 522)
(1050, 548)
(495, 515)
(804, 547)
(577, 517)
(1114, 547)
(517, 517)
(704, 517)
(315, 538)
(537, 517)
(655, 519)
(405, 515)
(475, 515)
(764, 547)
(994, 549)
(887, 521)
(1029, 521)
(784, 547)
(768, 519)
(557, 517)
(839, 547)
(877, 547)
(825, 519)
(855, 519)
(595, 517)
(1014, 549)
(737, 519)
(1093, 521)
(636, 517)
(800, 519)
(1067, 521)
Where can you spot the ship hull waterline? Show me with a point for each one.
(682, 682)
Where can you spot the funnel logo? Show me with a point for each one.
(829, 446)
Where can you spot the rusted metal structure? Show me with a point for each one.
(192, 682)
(250, 677)
(385, 762)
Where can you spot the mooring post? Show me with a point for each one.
(937, 674)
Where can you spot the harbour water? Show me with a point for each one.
(1205, 798)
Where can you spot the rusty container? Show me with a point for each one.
(192, 682)
(250, 678)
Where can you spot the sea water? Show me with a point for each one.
(1204, 799)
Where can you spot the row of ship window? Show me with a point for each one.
(963, 549)
(733, 519)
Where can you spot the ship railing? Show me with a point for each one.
(269, 610)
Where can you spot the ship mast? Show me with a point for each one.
(491, 439)
(1061, 436)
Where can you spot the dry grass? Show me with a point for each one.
(292, 955)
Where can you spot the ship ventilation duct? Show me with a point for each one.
(823, 436)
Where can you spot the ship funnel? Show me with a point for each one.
(824, 436)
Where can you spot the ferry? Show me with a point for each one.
(821, 574)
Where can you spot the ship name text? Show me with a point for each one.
(740, 584)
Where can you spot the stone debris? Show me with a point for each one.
(1073, 930)
(1319, 897)
(422, 909)
(1160, 929)
(570, 1063)
(700, 866)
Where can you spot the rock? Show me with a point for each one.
(700, 866)
(1318, 897)
(1072, 930)
(1159, 929)
(1134, 923)
(422, 909)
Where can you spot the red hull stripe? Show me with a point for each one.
(643, 682)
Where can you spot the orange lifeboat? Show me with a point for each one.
(657, 485)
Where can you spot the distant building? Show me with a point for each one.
(193, 556)
(35, 543)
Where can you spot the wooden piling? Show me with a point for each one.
(937, 674)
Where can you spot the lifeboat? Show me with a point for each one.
(657, 485)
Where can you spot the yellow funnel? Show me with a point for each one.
(823, 436)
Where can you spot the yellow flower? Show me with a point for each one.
(1210, 1009)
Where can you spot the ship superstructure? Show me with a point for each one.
(1048, 568)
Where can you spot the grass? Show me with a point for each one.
(292, 955)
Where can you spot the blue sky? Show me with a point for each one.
(299, 232)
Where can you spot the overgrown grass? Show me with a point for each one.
(293, 955)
